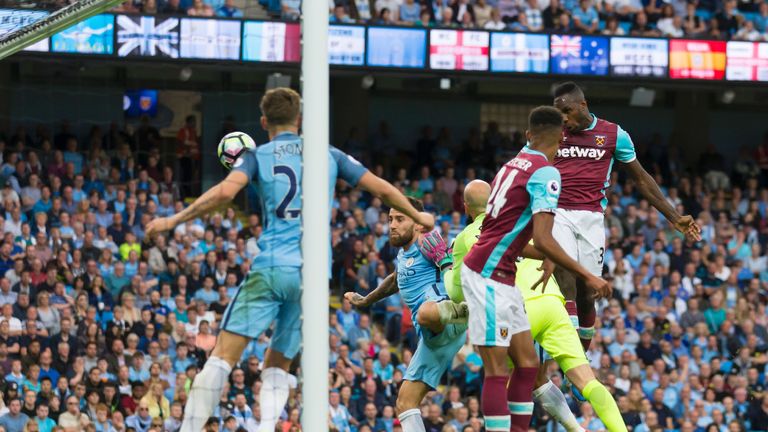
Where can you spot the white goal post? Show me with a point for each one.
(316, 211)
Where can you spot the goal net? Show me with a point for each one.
(25, 23)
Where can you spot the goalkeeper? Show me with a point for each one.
(551, 326)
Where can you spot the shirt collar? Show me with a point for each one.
(285, 135)
(593, 124)
(529, 150)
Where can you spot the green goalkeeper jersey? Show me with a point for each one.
(461, 246)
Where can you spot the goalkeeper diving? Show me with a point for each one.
(551, 326)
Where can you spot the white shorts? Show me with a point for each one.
(496, 310)
(581, 234)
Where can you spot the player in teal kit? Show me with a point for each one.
(272, 289)
(438, 320)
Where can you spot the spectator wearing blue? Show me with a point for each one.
(340, 16)
(761, 19)
(44, 423)
(361, 331)
(521, 24)
(585, 18)
(410, 12)
(290, 9)
(14, 420)
(73, 156)
(534, 16)
(348, 317)
(228, 10)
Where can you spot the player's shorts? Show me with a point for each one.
(266, 295)
(554, 332)
(435, 353)
(581, 234)
(496, 310)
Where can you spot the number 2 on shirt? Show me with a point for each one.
(282, 210)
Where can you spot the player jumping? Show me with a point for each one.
(551, 326)
(522, 203)
(436, 318)
(585, 159)
(272, 289)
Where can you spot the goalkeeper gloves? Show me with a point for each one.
(436, 250)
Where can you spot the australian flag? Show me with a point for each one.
(579, 55)
(147, 36)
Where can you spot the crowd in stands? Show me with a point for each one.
(706, 19)
(104, 330)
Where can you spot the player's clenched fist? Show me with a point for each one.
(355, 298)
(157, 226)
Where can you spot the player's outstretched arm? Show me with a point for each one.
(543, 241)
(221, 193)
(393, 198)
(384, 290)
(650, 191)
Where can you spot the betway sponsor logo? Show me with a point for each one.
(581, 152)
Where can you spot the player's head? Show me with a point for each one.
(569, 99)
(476, 195)
(402, 229)
(545, 128)
(280, 109)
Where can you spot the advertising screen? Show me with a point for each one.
(397, 47)
(271, 42)
(13, 19)
(579, 55)
(747, 61)
(458, 50)
(519, 52)
(639, 57)
(695, 59)
(140, 102)
(92, 36)
(210, 39)
(147, 36)
(346, 45)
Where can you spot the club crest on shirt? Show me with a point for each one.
(599, 140)
(504, 332)
(409, 262)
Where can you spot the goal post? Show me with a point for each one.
(46, 27)
(316, 211)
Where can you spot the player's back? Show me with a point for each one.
(522, 186)
(275, 168)
(585, 159)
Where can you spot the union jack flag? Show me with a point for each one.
(143, 37)
(566, 46)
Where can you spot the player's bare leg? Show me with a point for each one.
(523, 380)
(574, 289)
(436, 315)
(598, 396)
(552, 399)
(275, 388)
(206, 389)
(408, 401)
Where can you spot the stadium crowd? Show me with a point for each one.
(703, 19)
(104, 330)
(706, 19)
